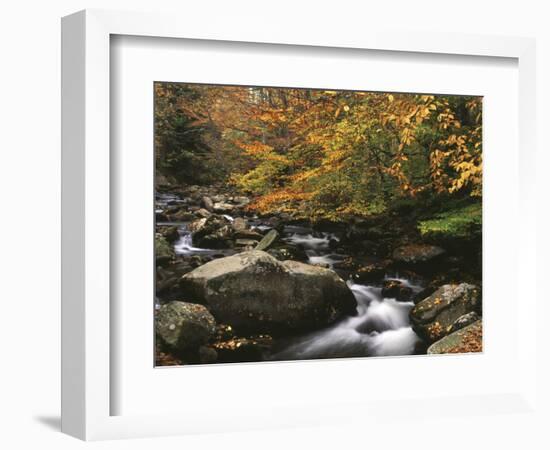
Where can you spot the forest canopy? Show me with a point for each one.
(323, 154)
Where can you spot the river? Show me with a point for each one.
(380, 328)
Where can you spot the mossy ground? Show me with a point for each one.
(461, 223)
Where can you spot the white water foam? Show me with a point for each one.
(184, 245)
(380, 328)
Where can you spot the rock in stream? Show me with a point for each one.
(254, 291)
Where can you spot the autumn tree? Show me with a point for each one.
(332, 154)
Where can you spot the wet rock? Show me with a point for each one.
(424, 293)
(348, 264)
(284, 252)
(466, 340)
(248, 234)
(203, 213)
(160, 216)
(432, 318)
(184, 326)
(244, 349)
(224, 332)
(212, 232)
(208, 204)
(164, 253)
(182, 216)
(274, 222)
(223, 208)
(167, 280)
(246, 242)
(163, 182)
(239, 224)
(197, 260)
(171, 234)
(417, 253)
(396, 289)
(370, 273)
(255, 292)
(172, 210)
(197, 225)
(464, 321)
(268, 240)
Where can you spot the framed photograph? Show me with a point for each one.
(277, 228)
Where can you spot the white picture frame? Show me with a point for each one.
(87, 384)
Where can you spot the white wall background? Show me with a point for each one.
(30, 189)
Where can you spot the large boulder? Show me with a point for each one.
(184, 326)
(466, 340)
(253, 291)
(433, 317)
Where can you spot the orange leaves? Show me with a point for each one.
(272, 117)
(254, 148)
(344, 152)
(281, 199)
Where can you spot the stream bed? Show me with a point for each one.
(380, 327)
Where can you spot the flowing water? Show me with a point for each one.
(380, 328)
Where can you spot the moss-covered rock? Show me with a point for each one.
(184, 326)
